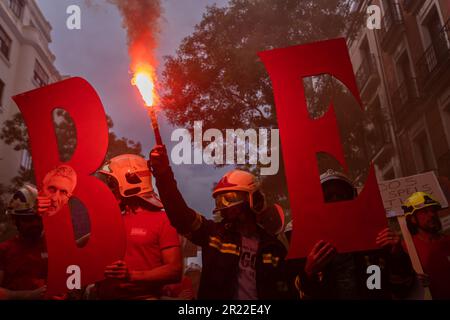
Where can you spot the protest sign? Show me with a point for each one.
(395, 192)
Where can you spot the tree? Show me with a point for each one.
(2, 204)
(217, 77)
(14, 133)
(6, 228)
(355, 126)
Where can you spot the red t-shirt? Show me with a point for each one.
(435, 259)
(148, 233)
(24, 264)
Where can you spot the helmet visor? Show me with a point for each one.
(229, 199)
(132, 178)
(413, 208)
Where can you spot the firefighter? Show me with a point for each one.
(432, 245)
(153, 256)
(23, 258)
(240, 259)
(327, 274)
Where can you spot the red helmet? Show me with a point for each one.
(236, 187)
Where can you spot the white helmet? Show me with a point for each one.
(331, 174)
(133, 176)
(23, 201)
(236, 187)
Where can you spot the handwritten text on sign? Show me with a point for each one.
(395, 192)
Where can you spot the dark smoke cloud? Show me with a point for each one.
(141, 20)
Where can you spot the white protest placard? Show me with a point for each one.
(395, 192)
(445, 220)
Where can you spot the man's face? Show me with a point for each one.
(232, 205)
(427, 219)
(337, 190)
(29, 227)
(232, 214)
(58, 190)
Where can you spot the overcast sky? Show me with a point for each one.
(98, 53)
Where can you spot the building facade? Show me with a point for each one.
(26, 62)
(402, 70)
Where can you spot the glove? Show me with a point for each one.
(159, 161)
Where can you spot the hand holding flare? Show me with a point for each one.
(143, 80)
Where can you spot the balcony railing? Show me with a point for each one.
(436, 57)
(392, 25)
(406, 96)
(412, 5)
(366, 73)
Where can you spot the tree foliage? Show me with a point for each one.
(15, 134)
(2, 204)
(217, 77)
(361, 132)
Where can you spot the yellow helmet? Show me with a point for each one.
(133, 177)
(23, 201)
(417, 201)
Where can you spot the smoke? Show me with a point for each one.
(141, 20)
(92, 4)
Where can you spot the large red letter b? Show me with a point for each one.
(107, 239)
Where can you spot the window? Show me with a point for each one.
(16, 7)
(40, 77)
(446, 121)
(437, 51)
(389, 175)
(404, 68)
(433, 25)
(2, 86)
(423, 152)
(5, 43)
(365, 50)
(367, 68)
(408, 89)
(25, 162)
(376, 134)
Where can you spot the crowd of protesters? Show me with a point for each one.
(241, 259)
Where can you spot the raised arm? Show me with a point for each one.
(187, 222)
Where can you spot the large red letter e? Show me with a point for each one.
(349, 225)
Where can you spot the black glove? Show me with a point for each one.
(159, 161)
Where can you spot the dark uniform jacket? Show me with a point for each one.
(221, 250)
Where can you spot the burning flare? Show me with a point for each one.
(144, 81)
